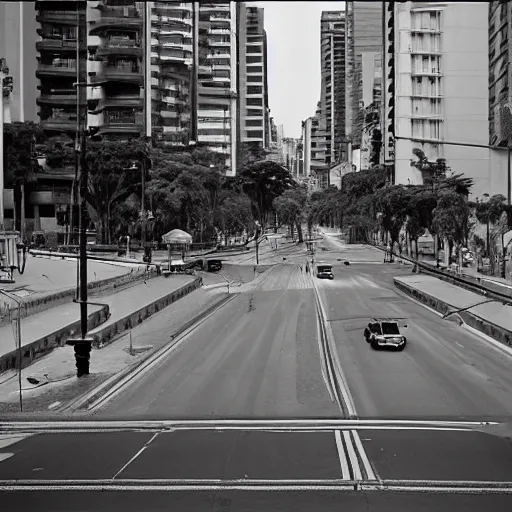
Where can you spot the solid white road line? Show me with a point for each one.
(341, 454)
(340, 377)
(5, 456)
(356, 470)
(362, 453)
(153, 361)
(135, 456)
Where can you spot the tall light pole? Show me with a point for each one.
(4, 70)
(83, 344)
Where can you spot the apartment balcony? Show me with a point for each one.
(111, 103)
(429, 72)
(56, 45)
(425, 52)
(118, 18)
(425, 30)
(166, 18)
(59, 124)
(120, 47)
(219, 31)
(126, 74)
(56, 16)
(50, 70)
(122, 124)
(57, 99)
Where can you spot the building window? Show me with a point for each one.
(254, 89)
(256, 102)
(254, 134)
(254, 59)
(254, 122)
(255, 78)
(213, 131)
(254, 69)
(253, 113)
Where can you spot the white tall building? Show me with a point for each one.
(441, 94)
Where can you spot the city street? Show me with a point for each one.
(259, 365)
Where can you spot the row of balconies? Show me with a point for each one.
(131, 74)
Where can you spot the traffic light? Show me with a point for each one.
(7, 86)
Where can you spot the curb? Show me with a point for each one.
(47, 343)
(500, 334)
(85, 400)
(104, 335)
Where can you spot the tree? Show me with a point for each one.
(451, 218)
(112, 177)
(291, 208)
(249, 154)
(234, 214)
(263, 182)
(20, 164)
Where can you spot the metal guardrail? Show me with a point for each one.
(458, 280)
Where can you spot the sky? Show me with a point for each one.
(293, 35)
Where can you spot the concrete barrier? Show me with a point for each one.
(31, 306)
(481, 324)
(105, 334)
(466, 281)
(38, 348)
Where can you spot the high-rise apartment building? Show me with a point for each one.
(115, 65)
(364, 73)
(333, 101)
(254, 119)
(500, 73)
(18, 47)
(441, 93)
(217, 80)
(172, 47)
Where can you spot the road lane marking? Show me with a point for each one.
(5, 456)
(154, 360)
(354, 463)
(330, 344)
(135, 456)
(362, 453)
(342, 456)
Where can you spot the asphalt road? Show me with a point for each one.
(226, 501)
(257, 357)
(444, 372)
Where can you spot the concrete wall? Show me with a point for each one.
(18, 46)
(465, 66)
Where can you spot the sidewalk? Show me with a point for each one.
(492, 318)
(50, 282)
(62, 388)
(51, 328)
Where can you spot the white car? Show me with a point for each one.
(385, 333)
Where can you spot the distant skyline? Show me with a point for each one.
(293, 34)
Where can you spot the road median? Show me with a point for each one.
(487, 316)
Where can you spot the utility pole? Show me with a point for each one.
(83, 344)
(3, 72)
